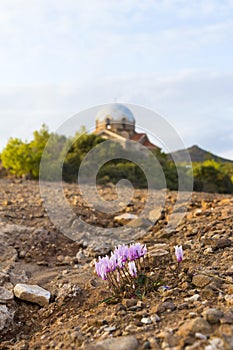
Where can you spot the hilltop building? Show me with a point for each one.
(116, 121)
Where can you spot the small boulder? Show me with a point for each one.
(212, 315)
(201, 280)
(221, 243)
(197, 325)
(32, 293)
(118, 343)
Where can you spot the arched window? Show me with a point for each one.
(108, 123)
(123, 123)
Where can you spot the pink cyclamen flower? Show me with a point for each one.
(132, 268)
(104, 266)
(179, 253)
(122, 252)
(140, 250)
(136, 251)
(101, 269)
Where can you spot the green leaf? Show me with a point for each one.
(142, 280)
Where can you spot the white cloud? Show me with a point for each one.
(175, 56)
(50, 41)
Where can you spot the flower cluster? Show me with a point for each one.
(121, 257)
(124, 270)
(122, 266)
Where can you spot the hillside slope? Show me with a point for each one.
(197, 154)
(191, 310)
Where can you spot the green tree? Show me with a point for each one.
(210, 177)
(53, 157)
(80, 146)
(17, 157)
(37, 146)
(23, 158)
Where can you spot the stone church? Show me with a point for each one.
(116, 121)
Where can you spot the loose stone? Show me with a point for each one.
(32, 293)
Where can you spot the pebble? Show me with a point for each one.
(165, 307)
(227, 318)
(201, 280)
(155, 318)
(6, 317)
(118, 343)
(110, 329)
(183, 306)
(5, 295)
(32, 293)
(146, 320)
(193, 298)
(209, 292)
(199, 335)
(125, 217)
(130, 302)
(221, 243)
(196, 325)
(22, 254)
(212, 315)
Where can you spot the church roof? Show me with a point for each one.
(116, 112)
(143, 139)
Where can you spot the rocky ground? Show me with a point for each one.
(194, 312)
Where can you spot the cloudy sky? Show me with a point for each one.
(58, 57)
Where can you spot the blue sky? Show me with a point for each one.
(58, 57)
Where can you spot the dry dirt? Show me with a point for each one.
(195, 312)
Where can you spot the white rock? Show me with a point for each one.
(201, 336)
(32, 293)
(6, 317)
(125, 216)
(146, 320)
(5, 295)
(193, 298)
(155, 318)
(118, 343)
(110, 329)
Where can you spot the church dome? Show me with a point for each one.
(116, 112)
